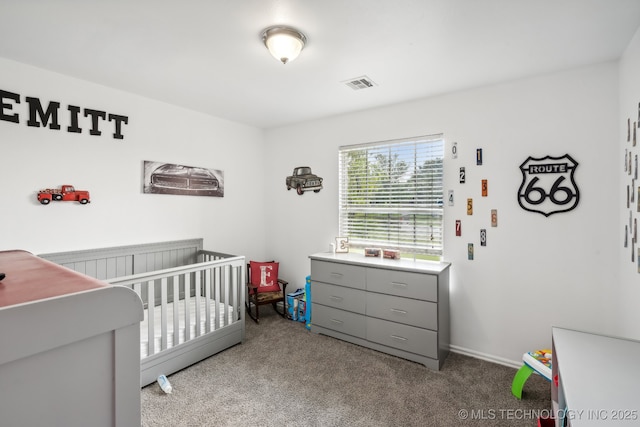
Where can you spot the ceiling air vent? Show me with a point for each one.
(358, 83)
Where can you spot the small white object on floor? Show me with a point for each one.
(164, 384)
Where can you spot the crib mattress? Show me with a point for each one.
(218, 311)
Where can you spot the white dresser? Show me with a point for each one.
(400, 307)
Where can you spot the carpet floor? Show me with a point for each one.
(284, 375)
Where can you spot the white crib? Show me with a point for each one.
(193, 299)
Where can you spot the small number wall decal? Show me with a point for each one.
(484, 192)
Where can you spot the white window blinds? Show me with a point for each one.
(391, 194)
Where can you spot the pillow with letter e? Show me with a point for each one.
(264, 275)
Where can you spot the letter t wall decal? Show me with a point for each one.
(95, 115)
(118, 123)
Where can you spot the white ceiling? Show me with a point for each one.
(207, 55)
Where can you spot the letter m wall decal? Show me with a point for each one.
(548, 185)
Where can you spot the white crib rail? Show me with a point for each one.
(205, 296)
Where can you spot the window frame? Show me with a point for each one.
(391, 195)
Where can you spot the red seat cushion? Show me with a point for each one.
(264, 275)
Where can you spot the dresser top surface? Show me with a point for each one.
(599, 376)
(418, 266)
(29, 278)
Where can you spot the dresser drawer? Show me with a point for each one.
(423, 314)
(403, 337)
(402, 283)
(338, 320)
(352, 276)
(339, 297)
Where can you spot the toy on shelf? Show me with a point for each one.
(372, 252)
(65, 193)
(391, 254)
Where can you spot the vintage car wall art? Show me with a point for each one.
(303, 180)
(169, 178)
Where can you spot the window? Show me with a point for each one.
(391, 195)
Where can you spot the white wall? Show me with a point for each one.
(628, 289)
(535, 271)
(119, 213)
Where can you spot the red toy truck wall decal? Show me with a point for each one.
(65, 193)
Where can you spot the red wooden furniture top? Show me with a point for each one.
(29, 278)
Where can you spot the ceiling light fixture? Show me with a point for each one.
(284, 43)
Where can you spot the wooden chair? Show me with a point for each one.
(264, 287)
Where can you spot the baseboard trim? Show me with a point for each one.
(485, 356)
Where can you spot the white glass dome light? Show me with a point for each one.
(284, 43)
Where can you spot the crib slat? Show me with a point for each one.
(187, 305)
(163, 314)
(216, 297)
(221, 317)
(234, 292)
(198, 290)
(151, 297)
(221, 298)
(238, 305)
(207, 292)
(227, 299)
(176, 310)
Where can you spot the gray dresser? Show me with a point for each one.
(400, 307)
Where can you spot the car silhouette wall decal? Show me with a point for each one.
(303, 180)
(169, 178)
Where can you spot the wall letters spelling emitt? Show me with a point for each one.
(39, 116)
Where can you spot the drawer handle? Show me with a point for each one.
(395, 310)
(398, 285)
(339, 322)
(395, 337)
(335, 298)
(336, 274)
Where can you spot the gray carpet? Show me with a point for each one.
(284, 375)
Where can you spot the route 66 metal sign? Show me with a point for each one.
(548, 185)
